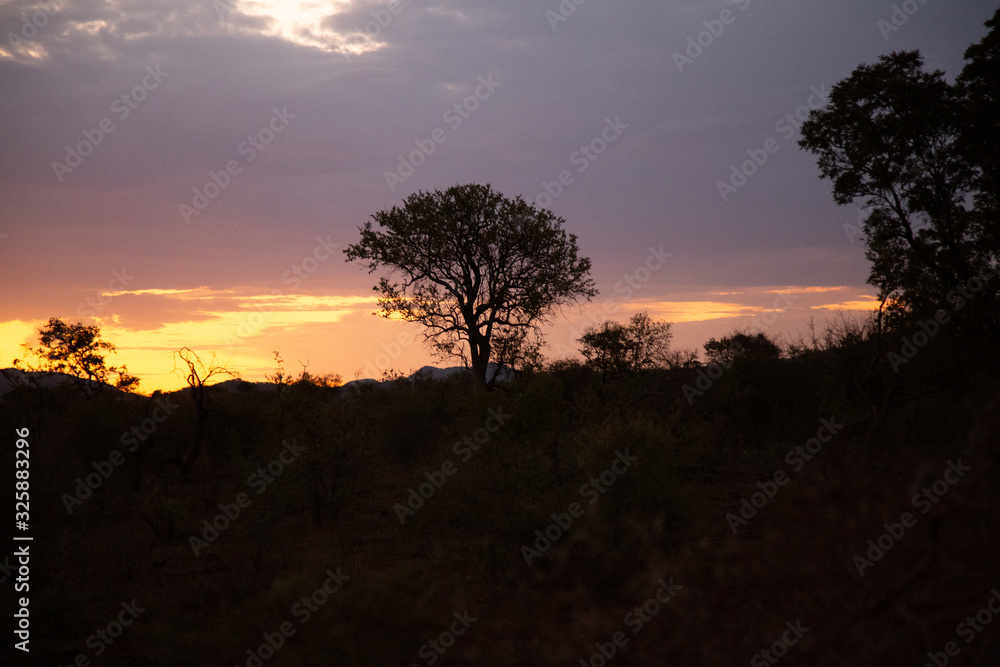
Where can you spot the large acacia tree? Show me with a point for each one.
(473, 267)
(921, 154)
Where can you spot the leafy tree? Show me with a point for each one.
(518, 349)
(79, 351)
(979, 87)
(475, 267)
(615, 348)
(741, 344)
(896, 139)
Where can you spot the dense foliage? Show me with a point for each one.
(921, 155)
(476, 268)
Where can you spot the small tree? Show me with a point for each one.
(325, 380)
(615, 348)
(79, 351)
(280, 378)
(512, 348)
(474, 265)
(741, 344)
(197, 374)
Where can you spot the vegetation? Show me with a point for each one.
(188, 365)
(615, 348)
(741, 344)
(476, 267)
(78, 351)
(921, 154)
(352, 456)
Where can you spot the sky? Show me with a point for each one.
(188, 173)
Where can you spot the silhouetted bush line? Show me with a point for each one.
(361, 447)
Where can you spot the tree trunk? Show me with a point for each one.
(480, 352)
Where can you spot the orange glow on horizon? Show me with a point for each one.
(339, 334)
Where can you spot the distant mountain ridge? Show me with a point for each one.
(433, 372)
(12, 377)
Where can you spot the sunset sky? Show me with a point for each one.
(188, 173)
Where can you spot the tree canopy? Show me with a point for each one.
(741, 344)
(79, 351)
(921, 155)
(473, 267)
(614, 348)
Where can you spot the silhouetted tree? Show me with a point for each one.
(325, 380)
(515, 348)
(979, 88)
(895, 139)
(79, 351)
(474, 265)
(197, 374)
(615, 348)
(741, 344)
(280, 378)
